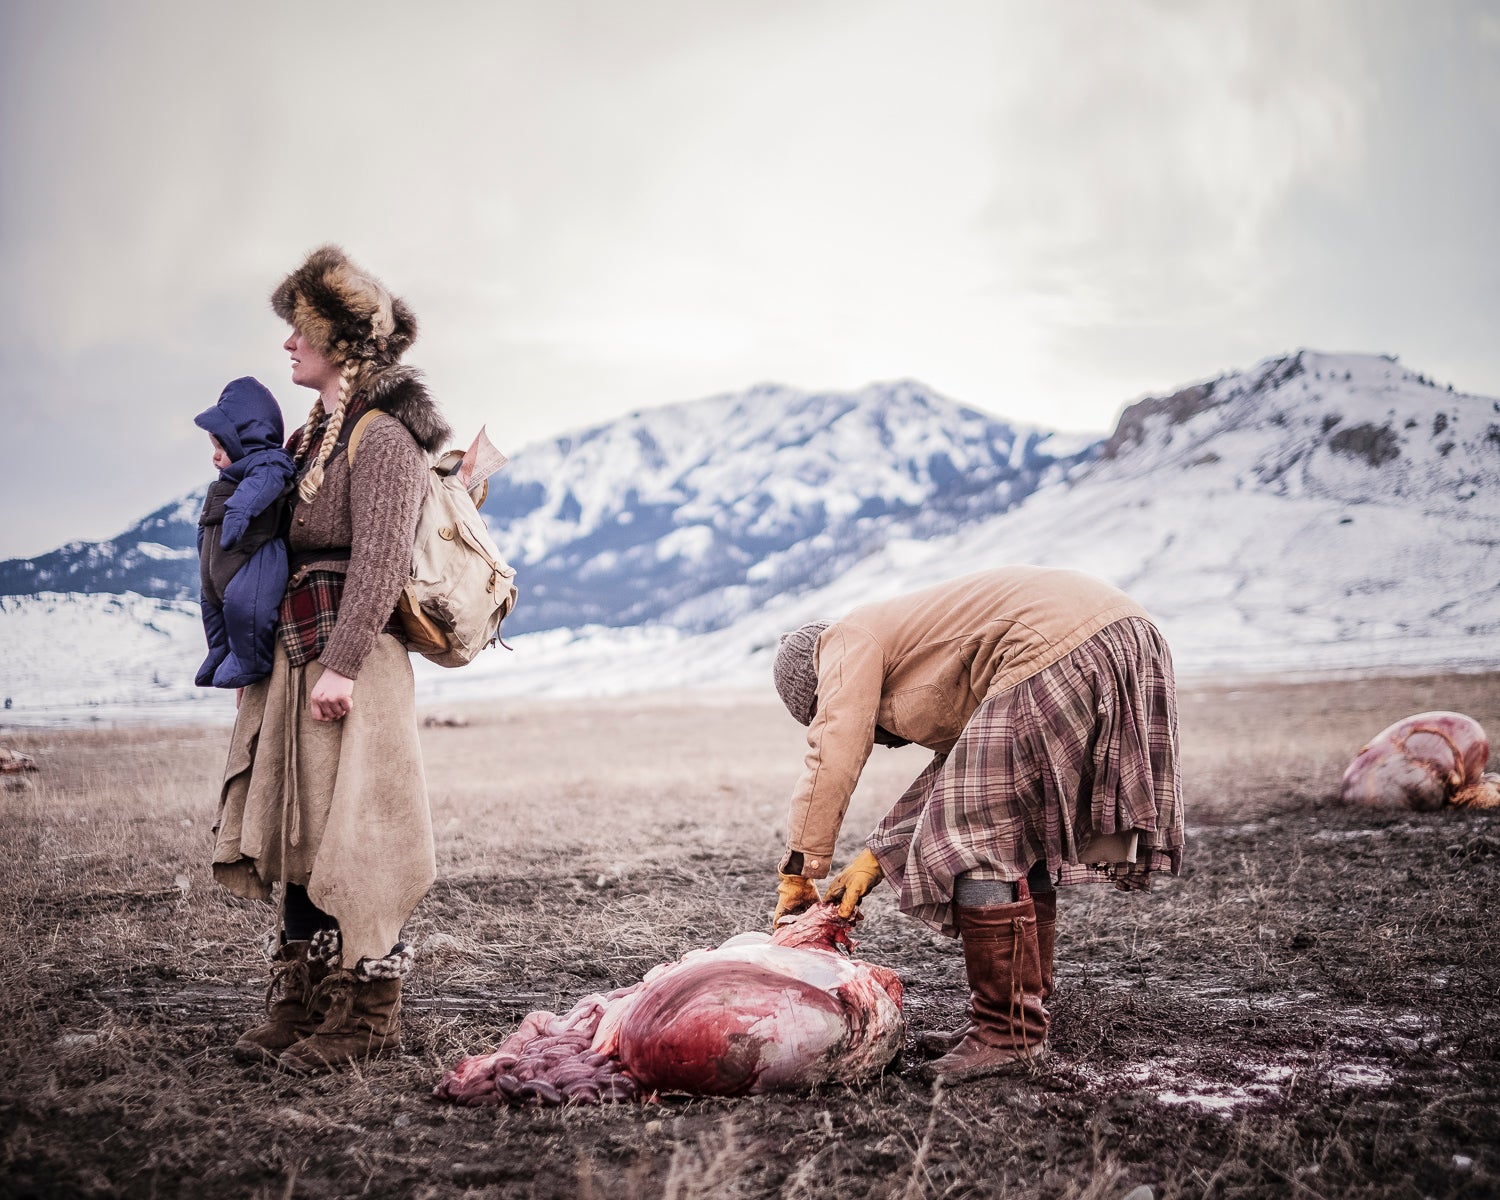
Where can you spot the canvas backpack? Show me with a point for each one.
(460, 588)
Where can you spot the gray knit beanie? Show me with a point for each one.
(796, 676)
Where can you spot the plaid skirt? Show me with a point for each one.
(1086, 746)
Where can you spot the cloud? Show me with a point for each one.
(1039, 209)
(1187, 187)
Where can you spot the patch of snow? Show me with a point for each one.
(687, 541)
(187, 508)
(156, 550)
(1406, 828)
(1178, 1081)
(1221, 1100)
(70, 656)
(1359, 1075)
(1247, 827)
(1346, 835)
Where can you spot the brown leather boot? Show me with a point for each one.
(939, 1041)
(361, 1011)
(1046, 936)
(1007, 1022)
(296, 970)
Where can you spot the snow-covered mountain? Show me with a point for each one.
(71, 654)
(1313, 511)
(692, 513)
(156, 557)
(695, 514)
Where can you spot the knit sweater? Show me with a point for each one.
(370, 513)
(365, 518)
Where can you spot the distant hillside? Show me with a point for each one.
(1315, 511)
(692, 513)
(157, 557)
(697, 513)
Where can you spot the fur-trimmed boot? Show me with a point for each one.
(939, 1041)
(297, 968)
(1007, 1022)
(361, 1010)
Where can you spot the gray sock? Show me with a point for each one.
(973, 891)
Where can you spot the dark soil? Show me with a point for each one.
(1309, 1010)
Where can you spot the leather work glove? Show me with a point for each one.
(794, 894)
(849, 886)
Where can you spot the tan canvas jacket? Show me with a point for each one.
(920, 664)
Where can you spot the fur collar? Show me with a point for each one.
(400, 391)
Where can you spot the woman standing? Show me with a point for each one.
(1049, 699)
(324, 791)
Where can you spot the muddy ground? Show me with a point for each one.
(1310, 1010)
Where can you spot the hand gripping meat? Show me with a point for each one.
(1424, 762)
(760, 1013)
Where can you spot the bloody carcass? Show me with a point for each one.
(13, 762)
(1424, 762)
(757, 1014)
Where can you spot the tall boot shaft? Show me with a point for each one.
(1003, 961)
(1046, 936)
(938, 1042)
(1007, 1029)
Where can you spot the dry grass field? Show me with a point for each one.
(1309, 1011)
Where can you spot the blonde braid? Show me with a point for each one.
(304, 443)
(313, 480)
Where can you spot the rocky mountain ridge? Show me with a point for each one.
(691, 513)
(1315, 511)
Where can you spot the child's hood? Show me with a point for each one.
(246, 419)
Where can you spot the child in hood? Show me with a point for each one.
(242, 556)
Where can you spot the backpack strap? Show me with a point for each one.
(359, 431)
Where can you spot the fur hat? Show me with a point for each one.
(344, 311)
(796, 674)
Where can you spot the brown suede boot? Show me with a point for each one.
(939, 1041)
(361, 1016)
(296, 970)
(1007, 1022)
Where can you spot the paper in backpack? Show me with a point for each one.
(480, 460)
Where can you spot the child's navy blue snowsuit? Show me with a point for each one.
(241, 554)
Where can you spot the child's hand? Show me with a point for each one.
(234, 528)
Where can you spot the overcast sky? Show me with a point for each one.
(1044, 210)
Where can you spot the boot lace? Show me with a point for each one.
(1017, 1000)
(337, 991)
(288, 979)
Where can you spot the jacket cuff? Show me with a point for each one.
(805, 863)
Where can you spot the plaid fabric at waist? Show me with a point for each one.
(1087, 746)
(309, 611)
